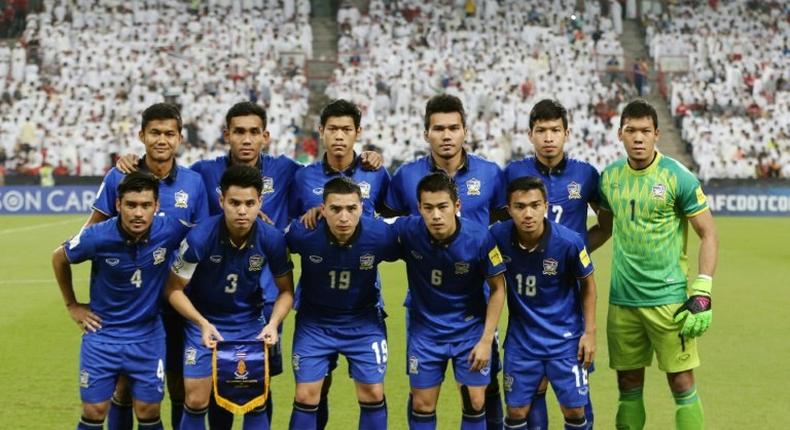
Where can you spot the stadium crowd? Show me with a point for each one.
(734, 103)
(82, 71)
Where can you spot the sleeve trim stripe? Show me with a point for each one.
(100, 211)
(693, 214)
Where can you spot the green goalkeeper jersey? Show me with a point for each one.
(651, 208)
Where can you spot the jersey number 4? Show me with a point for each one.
(137, 278)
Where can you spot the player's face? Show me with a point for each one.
(438, 211)
(342, 212)
(548, 138)
(247, 138)
(445, 134)
(639, 136)
(527, 208)
(136, 211)
(339, 135)
(241, 207)
(161, 138)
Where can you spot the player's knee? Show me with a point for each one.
(519, 413)
(370, 393)
(196, 400)
(423, 403)
(630, 379)
(95, 411)
(681, 382)
(472, 401)
(573, 414)
(307, 393)
(146, 411)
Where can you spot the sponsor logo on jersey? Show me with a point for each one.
(295, 361)
(182, 199)
(190, 356)
(659, 191)
(318, 191)
(507, 382)
(574, 190)
(215, 259)
(583, 391)
(495, 256)
(366, 261)
(365, 188)
(256, 263)
(461, 268)
(414, 365)
(112, 261)
(473, 187)
(416, 255)
(159, 255)
(85, 379)
(315, 259)
(268, 185)
(584, 257)
(700, 196)
(486, 370)
(550, 267)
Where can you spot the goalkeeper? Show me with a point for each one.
(653, 198)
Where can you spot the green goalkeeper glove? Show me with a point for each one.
(697, 311)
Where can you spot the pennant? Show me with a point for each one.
(240, 370)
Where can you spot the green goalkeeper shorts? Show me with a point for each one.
(634, 333)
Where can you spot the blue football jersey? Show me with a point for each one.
(277, 173)
(481, 187)
(339, 284)
(571, 186)
(446, 279)
(225, 286)
(182, 194)
(545, 311)
(127, 277)
(308, 186)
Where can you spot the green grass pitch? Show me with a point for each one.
(742, 382)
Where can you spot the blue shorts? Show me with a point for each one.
(275, 351)
(174, 340)
(141, 362)
(197, 358)
(316, 349)
(426, 362)
(523, 375)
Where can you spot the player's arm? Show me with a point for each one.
(709, 242)
(310, 218)
(598, 234)
(174, 293)
(127, 163)
(283, 304)
(79, 312)
(697, 313)
(586, 352)
(481, 353)
(95, 218)
(371, 160)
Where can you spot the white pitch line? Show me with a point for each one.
(35, 227)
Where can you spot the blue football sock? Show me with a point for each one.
(176, 412)
(149, 424)
(218, 417)
(576, 424)
(88, 424)
(193, 420)
(373, 416)
(538, 417)
(303, 416)
(494, 416)
(588, 411)
(475, 420)
(322, 414)
(256, 419)
(513, 423)
(422, 420)
(119, 417)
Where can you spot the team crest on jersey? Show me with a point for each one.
(112, 261)
(85, 379)
(215, 259)
(473, 187)
(317, 259)
(461, 268)
(181, 199)
(268, 185)
(159, 255)
(318, 191)
(574, 190)
(507, 382)
(550, 267)
(414, 365)
(190, 356)
(583, 391)
(295, 361)
(659, 191)
(365, 188)
(366, 261)
(256, 263)
(416, 255)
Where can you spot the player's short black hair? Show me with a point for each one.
(137, 182)
(243, 176)
(639, 108)
(437, 182)
(444, 103)
(526, 183)
(341, 185)
(547, 110)
(244, 109)
(341, 107)
(161, 111)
